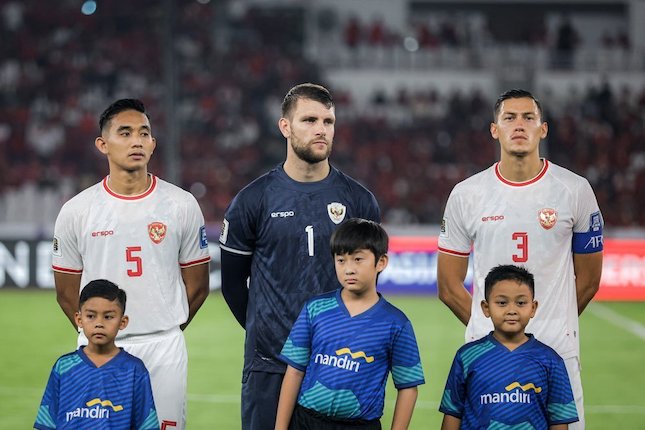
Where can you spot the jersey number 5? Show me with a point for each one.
(522, 239)
(131, 257)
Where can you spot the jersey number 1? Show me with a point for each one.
(522, 239)
(310, 239)
(131, 257)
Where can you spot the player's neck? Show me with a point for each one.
(301, 171)
(511, 341)
(101, 354)
(358, 303)
(129, 183)
(520, 169)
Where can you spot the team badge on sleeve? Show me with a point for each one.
(336, 212)
(547, 217)
(56, 247)
(157, 232)
(223, 234)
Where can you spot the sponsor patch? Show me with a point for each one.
(547, 217)
(595, 222)
(157, 232)
(203, 240)
(443, 229)
(336, 212)
(56, 247)
(223, 235)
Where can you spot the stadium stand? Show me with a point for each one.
(408, 143)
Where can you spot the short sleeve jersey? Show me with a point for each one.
(347, 359)
(114, 396)
(491, 387)
(286, 226)
(536, 224)
(140, 243)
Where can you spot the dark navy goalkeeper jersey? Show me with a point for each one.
(286, 226)
(115, 396)
(491, 387)
(347, 359)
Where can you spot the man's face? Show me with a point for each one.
(310, 130)
(127, 141)
(519, 127)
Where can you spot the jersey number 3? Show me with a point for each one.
(522, 239)
(135, 259)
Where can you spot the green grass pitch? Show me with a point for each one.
(35, 333)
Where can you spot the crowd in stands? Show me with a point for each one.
(59, 70)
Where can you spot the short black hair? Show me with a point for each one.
(105, 289)
(308, 91)
(358, 233)
(118, 107)
(516, 94)
(508, 272)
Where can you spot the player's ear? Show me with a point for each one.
(381, 264)
(493, 131)
(535, 306)
(545, 129)
(285, 127)
(485, 308)
(77, 318)
(101, 144)
(124, 322)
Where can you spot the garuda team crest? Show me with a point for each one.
(336, 212)
(547, 217)
(157, 231)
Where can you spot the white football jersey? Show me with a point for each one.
(536, 224)
(138, 242)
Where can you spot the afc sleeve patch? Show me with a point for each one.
(203, 240)
(56, 251)
(443, 230)
(223, 235)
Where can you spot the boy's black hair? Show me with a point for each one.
(508, 273)
(119, 106)
(358, 233)
(516, 94)
(105, 289)
(308, 91)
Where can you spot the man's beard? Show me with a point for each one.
(307, 154)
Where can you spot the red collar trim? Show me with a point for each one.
(151, 188)
(521, 184)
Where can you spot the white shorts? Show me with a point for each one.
(573, 369)
(166, 358)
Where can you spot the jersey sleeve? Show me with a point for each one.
(194, 244)
(454, 394)
(561, 405)
(453, 235)
(66, 256)
(406, 363)
(145, 413)
(588, 222)
(238, 233)
(297, 348)
(371, 209)
(48, 410)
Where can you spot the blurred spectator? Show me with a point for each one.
(59, 68)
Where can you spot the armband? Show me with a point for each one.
(587, 242)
